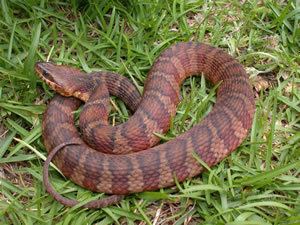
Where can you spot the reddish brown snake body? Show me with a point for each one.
(214, 138)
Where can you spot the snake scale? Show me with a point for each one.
(120, 160)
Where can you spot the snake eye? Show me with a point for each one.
(45, 73)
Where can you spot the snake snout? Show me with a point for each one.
(44, 70)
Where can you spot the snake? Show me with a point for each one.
(125, 159)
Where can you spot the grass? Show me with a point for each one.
(257, 184)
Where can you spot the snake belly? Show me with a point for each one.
(214, 138)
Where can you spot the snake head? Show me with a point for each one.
(63, 79)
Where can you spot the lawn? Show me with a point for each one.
(259, 183)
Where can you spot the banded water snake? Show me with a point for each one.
(214, 138)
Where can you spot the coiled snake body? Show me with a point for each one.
(214, 138)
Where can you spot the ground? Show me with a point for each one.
(257, 184)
